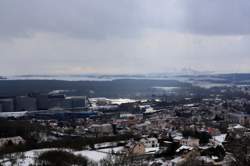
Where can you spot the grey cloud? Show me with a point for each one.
(217, 17)
(79, 18)
(51, 36)
(102, 19)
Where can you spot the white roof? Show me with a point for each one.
(238, 126)
(178, 137)
(152, 150)
(220, 138)
(150, 110)
(184, 147)
(152, 139)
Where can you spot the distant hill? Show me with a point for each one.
(3, 78)
(115, 88)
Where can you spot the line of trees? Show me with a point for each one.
(70, 143)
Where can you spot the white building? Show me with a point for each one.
(150, 142)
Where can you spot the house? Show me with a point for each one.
(103, 129)
(241, 118)
(11, 140)
(150, 142)
(236, 130)
(184, 148)
(219, 139)
(213, 131)
(190, 142)
(135, 149)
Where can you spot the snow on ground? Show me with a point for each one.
(12, 114)
(118, 101)
(29, 156)
(99, 154)
(26, 160)
(92, 155)
(158, 161)
(122, 101)
(109, 150)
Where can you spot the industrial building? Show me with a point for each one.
(25, 103)
(7, 105)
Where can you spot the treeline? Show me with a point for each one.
(23, 128)
(68, 143)
(115, 88)
(62, 158)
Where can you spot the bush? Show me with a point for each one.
(61, 158)
(203, 136)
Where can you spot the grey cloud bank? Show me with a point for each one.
(218, 17)
(125, 36)
(95, 18)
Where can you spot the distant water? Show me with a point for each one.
(61, 78)
(93, 77)
(208, 85)
(168, 89)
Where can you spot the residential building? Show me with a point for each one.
(135, 149)
(150, 142)
(190, 142)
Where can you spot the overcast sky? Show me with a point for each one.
(123, 36)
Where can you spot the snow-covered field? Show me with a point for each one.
(99, 154)
(22, 159)
(12, 114)
(112, 101)
(28, 158)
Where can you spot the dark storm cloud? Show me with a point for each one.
(105, 18)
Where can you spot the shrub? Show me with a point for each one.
(61, 158)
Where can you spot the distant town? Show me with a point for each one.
(186, 124)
